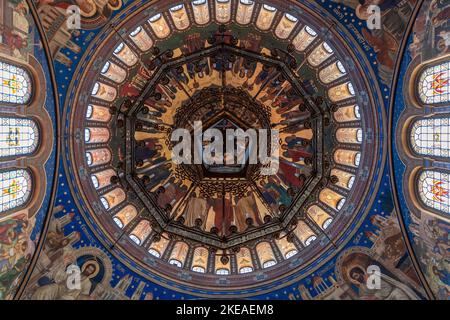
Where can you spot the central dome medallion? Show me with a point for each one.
(230, 66)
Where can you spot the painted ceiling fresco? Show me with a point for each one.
(87, 165)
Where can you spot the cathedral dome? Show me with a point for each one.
(257, 149)
(227, 66)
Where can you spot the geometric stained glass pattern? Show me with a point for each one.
(431, 137)
(18, 136)
(433, 189)
(15, 189)
(15, 84)
(434, 84)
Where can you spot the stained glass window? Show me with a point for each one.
(310, 31)
(351, 89)
(245, 269)
(269, 263)
(201, 11)
(17, 136)
(269, 8)
(327, 47)
(154, 253)
(433, 189)
(136, 31)
(340, 204)
(327, 223)
(15, 84)
(309, 240)
(135, 239)
(175, 262)
(104, 203)
(359, 135)
(15, 187)
(434, 84)
(431, 137)
(198, 269)
(95, 181)
(89, 111)
(357, 159)
(290, 254)
(350, 182)
(222, 271)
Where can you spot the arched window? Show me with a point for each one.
(179, 254)
(113, 72)
(201, 11)
(157, 248)
(98, 156)
(357, 159)
(97, 113)
(95, 181)
(200, 259)
(154, 253)
(269, 264)
(159, 26)
(332, 72)
(285, 246)
(345, 179)
(113, 198)
(223, 11)
(304, 233)
(179, 17)
(245, 270)
(15, 84)
(244, 260)
(17, 136)
(103, 178)
(104, 203)
(431, 137)
(304, 38)
(434, 84)
(347, 157)
(124, 53)
(125, 216)
(319, 54)
(348, 113)
(350, 182)
(327, 223)
(265, 254)
(141, 232)
(340, 204)
(320, 216)
(265, 17)
(349, 135)
(433, 188)
(16, 187)
(290, 254)
(244, 11)
(198, 269)
(309, 240)
(96, 135)
(141, 38)
(222, 272)
(104, 92)
(341, 92)
(332, 198)
(176, 263)
(285, 26)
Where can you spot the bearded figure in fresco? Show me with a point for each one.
(354, 271)
(390, 289)
(61, 290)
